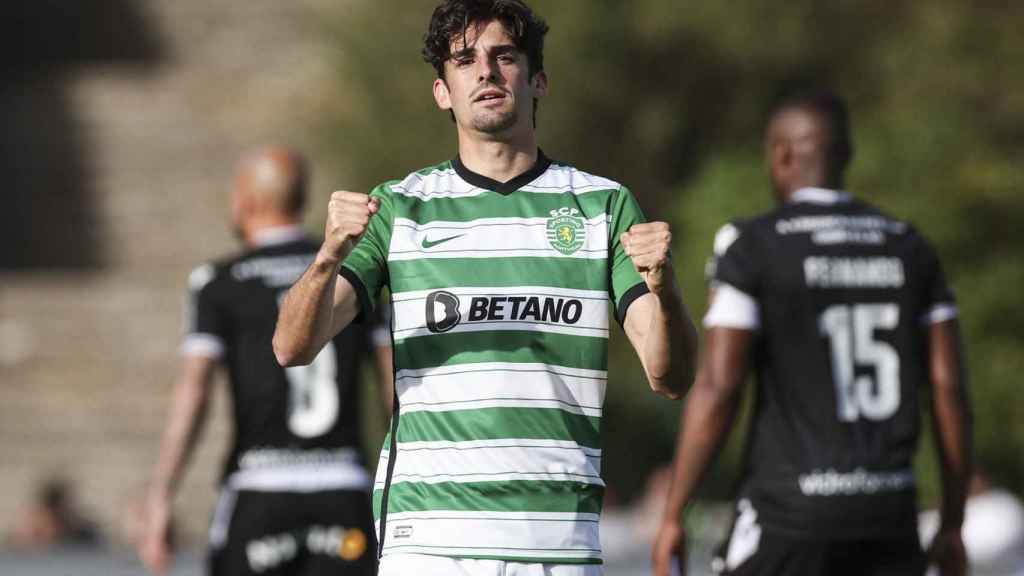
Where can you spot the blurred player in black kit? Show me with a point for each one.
(295, 491)
(843, 313)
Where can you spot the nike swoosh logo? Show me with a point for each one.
(427, 243)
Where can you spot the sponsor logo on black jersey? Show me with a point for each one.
(443, 310)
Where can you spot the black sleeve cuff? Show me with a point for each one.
(365, 304)
(632, 294)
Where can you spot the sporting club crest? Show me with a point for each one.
(567, 231)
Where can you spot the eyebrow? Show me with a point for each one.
(498, 50)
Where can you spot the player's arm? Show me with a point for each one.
(951, 418)
(322, 303)
(657, 323)
(708, 415)
(184, 425)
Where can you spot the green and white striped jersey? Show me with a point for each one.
(500, 295)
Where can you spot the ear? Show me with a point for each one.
(780, 154)
(540, 84)
(441, 95)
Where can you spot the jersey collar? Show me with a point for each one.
(277, 235)
(820, 196)
(481, 181)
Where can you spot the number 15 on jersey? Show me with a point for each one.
(851, 333)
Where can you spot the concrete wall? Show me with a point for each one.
(88, 353)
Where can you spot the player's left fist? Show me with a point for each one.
(648, 245)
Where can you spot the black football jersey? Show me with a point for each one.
(294, 428)
(844, 295)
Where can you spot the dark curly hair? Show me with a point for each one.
(453, 17)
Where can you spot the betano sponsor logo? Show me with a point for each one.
(443, 310)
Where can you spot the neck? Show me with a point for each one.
(500, 160)
(785, 192)
(257, 224)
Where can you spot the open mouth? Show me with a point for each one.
(489, 95)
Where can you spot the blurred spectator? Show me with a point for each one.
(993, 529)
(52, 519)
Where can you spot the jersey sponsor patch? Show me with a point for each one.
(537, 308)
(859, 481)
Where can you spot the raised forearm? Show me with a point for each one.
(670, 346)
(657, 323)
(304, 323)
(321, 303)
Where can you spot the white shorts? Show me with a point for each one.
(427, 565)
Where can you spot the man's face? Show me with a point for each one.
(487, 83)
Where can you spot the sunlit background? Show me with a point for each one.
(123, 119)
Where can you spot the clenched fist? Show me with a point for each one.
(348, 215)
(647, 245)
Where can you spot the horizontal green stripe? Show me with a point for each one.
(514, 496)
(455, 348)
(436, 273)
(493, 205)
(500, 423)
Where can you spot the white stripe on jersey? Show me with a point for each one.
(570, 537)
(437, 184)
(496, 461)
(407, 563)
(490, 238)
(502, 385)
(559, 179)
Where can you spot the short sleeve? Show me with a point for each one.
(366, 267)
(733, 261)
(938, 301)
(627, 285)
(732, 274)
(206, 325)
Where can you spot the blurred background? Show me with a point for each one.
(123, 119)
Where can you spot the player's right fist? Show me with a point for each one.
(348, 215)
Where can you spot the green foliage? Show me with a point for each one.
(670, 99)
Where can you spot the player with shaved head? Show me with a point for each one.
(294, 495)
(844, 315)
